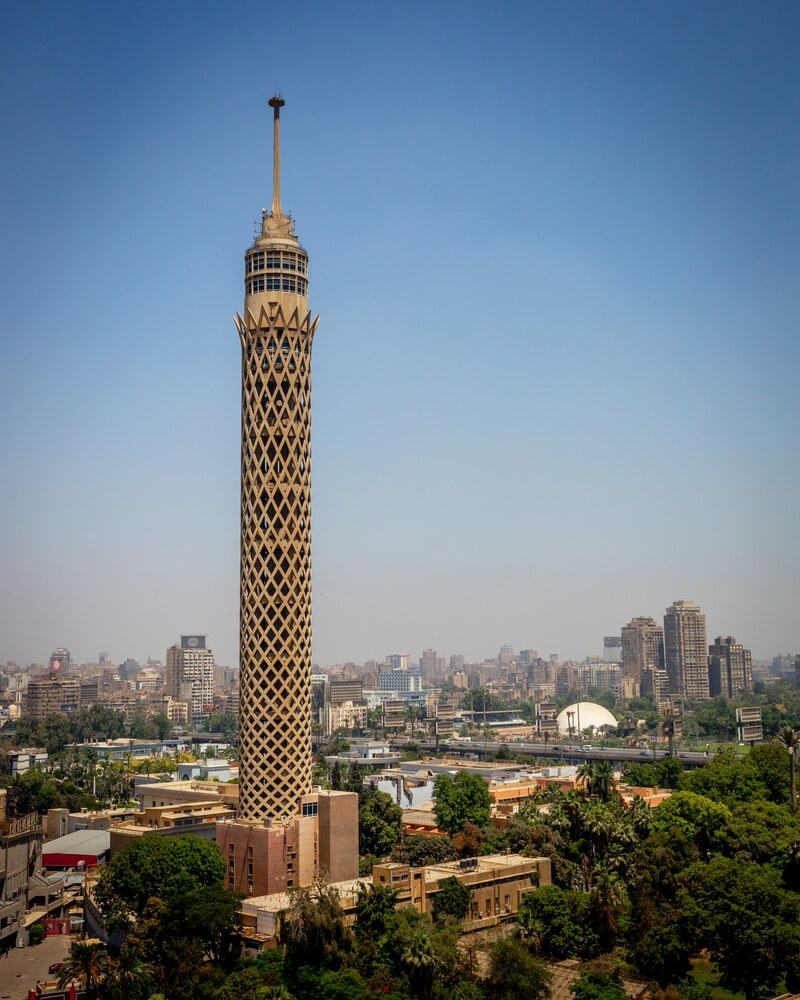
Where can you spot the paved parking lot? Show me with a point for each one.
(20, 969)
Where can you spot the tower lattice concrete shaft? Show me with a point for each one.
(276, 333)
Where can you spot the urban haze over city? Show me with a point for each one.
(557, 274)
(544, 738)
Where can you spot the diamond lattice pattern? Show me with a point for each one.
(275, 600)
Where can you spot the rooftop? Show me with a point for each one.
(94, 842)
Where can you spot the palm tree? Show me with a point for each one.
(790, 738)
(419, 962)
(603, 784)
(87, 963)
(130, 973)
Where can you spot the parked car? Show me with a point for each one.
(55, 967)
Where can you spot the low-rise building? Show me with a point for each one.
(27, 895)
(21, 761)
(197, 818)
(84, 847)
(496, 882)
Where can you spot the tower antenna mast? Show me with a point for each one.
(276, 103)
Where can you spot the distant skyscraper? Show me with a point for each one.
(190, 673)
(428, 663)
(59, 662)
(506, 656)
(398, 661)
(642, 648)
(730, 667)
(612, 649)
(686, 651)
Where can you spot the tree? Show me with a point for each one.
(598, 985)
(312, 930)
(556, 923)
(742, 914)
(379, 823)
(790, 739)
(155, 868)
(419, 963)
(36, 934)
(375, 903)
(701, 820)
(452, 900)
(418, 850)
(469, 841)
(130, 976)
(598, 778)
(87, 963)
(207, 913)
(337, 777)
(460, 800)
(515, 973)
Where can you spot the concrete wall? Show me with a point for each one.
(338, 834)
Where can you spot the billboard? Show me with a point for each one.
(193, 642)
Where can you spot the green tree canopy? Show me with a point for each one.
(701, 820)
(746, 919)
(515, 973)
(156, 867)
(557, 923)
(460, 800)
(379, 823)
(452, 900)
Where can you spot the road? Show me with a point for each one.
(563, 753)
(22, 967)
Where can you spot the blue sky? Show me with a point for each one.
(555, 252)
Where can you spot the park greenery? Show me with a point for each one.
(711, 875)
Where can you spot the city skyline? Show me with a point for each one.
(612, 289)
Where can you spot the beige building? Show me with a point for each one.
(686, 651)
(322, 837)
(496, 882)
(190, 674)
(48, 695)
(346, 715)
(642, 647)
(197, 818)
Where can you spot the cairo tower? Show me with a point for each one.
(276, 332)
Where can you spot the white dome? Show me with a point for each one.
(588, 713)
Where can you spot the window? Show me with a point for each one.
(257, 261)
(273, 261)
(309, 809)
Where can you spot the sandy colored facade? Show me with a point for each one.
(322, 839)
(276, 333)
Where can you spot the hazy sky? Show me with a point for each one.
(556, 253)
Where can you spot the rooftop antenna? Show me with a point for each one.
(276, 103)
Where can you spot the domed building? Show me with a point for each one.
(586, 714)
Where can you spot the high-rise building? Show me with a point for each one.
(642, 648)
(276, 333)
(48, 695)
(612, 649)
(286, 833)
(398, 661)
(428, 663)
(686, 651)
(59, 662)
(190, 673)
(730, 667)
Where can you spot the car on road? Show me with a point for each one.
(644, 753)
(55, 967)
